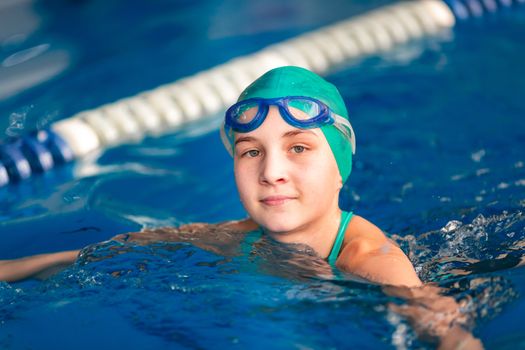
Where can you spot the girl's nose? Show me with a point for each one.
(273, 169)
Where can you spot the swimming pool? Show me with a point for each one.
(439, 166)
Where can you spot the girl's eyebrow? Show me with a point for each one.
(298, 132)
(244, 139)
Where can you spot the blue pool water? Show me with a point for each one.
(439, 166)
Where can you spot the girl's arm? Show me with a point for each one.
(243, 225)
(39, 266)
(189, 232)
(43, 265)
(369, 254)
(218, 238)
(436, 318)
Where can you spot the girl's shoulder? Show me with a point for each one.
(362, 236)
(369, 254)
(359, 227)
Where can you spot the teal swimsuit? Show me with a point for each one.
(345, 219)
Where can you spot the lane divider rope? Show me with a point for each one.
(170, 106)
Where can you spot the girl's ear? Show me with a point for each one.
(339, 182)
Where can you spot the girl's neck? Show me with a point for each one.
(319, 234)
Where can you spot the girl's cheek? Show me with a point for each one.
(245, 170)
(305, 161)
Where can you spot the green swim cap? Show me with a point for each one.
(297, 81)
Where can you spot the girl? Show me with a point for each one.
(292, 147)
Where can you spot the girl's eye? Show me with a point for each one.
(298, 149)
(252, 153)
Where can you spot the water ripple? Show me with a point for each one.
(25, 55)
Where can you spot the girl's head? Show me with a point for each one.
(292, 146)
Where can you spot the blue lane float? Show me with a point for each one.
(58, 148)
(171, 106)
(466, 9)
(34, 153)
(15, 162)
(4, 176)
(38, 156)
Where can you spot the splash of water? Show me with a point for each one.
(460, 245)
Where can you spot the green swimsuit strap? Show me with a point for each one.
(345, 219)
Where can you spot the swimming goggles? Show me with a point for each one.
(299, 111)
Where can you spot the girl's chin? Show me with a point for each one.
(279, 226)
(278, 220)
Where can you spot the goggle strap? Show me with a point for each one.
(341, 121)
(227, 141)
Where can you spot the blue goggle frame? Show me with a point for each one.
(324, 117)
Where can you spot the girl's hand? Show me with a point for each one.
(434, 317)
(38, 266)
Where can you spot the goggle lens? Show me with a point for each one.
(302, 109)
(245, 113)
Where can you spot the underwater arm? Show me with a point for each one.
(369, 254)
(40, 266)
(243, 225)
(435, 317)
(221, 238)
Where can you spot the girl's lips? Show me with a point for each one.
(275, 200)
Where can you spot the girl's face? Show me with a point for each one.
(287, 177)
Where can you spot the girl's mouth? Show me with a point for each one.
(276, 200)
